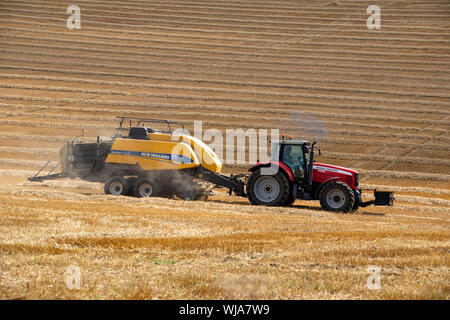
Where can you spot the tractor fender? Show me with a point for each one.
(283, 168)
(259, 165)
(316, 194)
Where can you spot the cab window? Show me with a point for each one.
(293, 157)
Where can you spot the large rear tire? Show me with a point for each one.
(337, 196)
(146, 187)
(117, 185)
(268, 190)
(290, 200)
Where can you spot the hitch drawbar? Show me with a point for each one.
(382, 198)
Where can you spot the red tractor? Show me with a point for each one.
(292, 175)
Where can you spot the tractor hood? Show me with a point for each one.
(325, 172)
(328, 168)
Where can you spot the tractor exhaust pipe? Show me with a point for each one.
(310, 167)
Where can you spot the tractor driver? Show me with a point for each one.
(288, 159)
(293, 161)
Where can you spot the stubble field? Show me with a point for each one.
(377, 100)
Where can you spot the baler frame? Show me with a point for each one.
(142, 121)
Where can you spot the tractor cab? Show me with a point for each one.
(292, 153)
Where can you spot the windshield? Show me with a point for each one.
(293, 157)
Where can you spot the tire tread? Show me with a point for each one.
(281, 200)
(343, 186)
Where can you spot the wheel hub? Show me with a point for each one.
(145, 190)
(116, 188)
(336, 199)
(266, 188)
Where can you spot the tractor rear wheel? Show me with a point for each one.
(337, 196)
(268, 190)
(290, 200)
(146, 187)
(117, 185)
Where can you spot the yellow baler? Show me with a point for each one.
(143, 161)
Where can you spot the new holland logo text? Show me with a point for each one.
(153, 155)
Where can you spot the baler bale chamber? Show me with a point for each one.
(84, 160)
(78, 160)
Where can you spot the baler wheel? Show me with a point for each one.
(146, 187)
(131, 185)
(116, 185)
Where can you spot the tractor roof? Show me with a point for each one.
(288, 141)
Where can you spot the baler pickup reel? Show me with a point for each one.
(49, 175)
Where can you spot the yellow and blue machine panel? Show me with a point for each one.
(153, 154)
(207, 156)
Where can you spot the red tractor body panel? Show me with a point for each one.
(279, 164)
(285, 168)
(323, 172)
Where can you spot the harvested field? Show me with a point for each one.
(377, 101)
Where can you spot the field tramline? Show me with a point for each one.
(206, 51)
(226, 90)
(247, 21)
(192, 114)
(248, 75)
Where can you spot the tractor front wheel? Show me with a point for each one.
(337, 196)
(268, 190)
